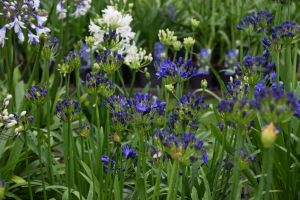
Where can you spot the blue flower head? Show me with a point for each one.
(253, 70)
(248, 27)
(120, 120)
(145, 109)
(185, 147)
(97, 84)
(237, 88)
(244, 160)
(67, 107)
(129, 153)
(50, 49)
(71, 62)
(286, 33)
(276, 105)
(238, 111)
(110, 61)
(117, 103)
(85, 130)
(176, 72)
(111, 39)
(179, 125)
(190, 107)
(36, 94)
(155, 157)
(263, 18)
(114, 138)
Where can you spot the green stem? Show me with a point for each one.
(277, 68)
(67, 82)
(11, 78)
(27, 169)
(236, 172)
(288, 147)
(249, 44)
(46, 68)
(183, 168)
(288, 67)
(122, 179)
(294, 67)
(220, 160)
(172, 180)
(101, 146)
(91, 162)
(175, 54)
(269, 172)
(132, 82)
(39, 150)
(53, 19)
(122, 82)
(262, 179)
(176, 186)
(68, 158)
(241, 47)
(261, 42)
(115, 174)
(251, 92)
(157, 183)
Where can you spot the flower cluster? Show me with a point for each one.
(167, 37)
(67, 108)
(50, 49)
(236, 88)
(82, 6)
(177, 45)
(36, 94)
(26, 121)
(184, 147)
(253, 71)
(190, 107)
(188, 42)
(286, 33)
(273, 44)
(244, 160)
(110, 61)
(120, 120)
(145, 109)
(156, 156)
(179, 125)
(111, 39)
(169, 13)
(19, 13)
(98, 84)
(276, 105)
(238, 111)
(111, 19)
(114, 138)
(85, 130)
(263, 18)
(71, 62)
(137, 58)
(249, 26)
(116, 103)
(195, 23)
(178, 71)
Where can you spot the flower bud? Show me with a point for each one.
(79, 45)
(114, 137)
(268, 136)
(195, 24)
(2, 188)
(96, 67)
(177, 45)
(22, 114)
(204, 84)
(43, 36)
(163, 55)
(6, 103)
(90, 41)
(147, 76)
(188, 42)
(170, 89)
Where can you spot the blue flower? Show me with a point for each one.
(129, 153)
(297, 114)
(236, 88)
(286, 33)
(111, 39)
(67, 107)
(105, 159)
(248, 26)
(263, 18)
(110, 61)
(204, 156)
(36, 94)
(178, 71)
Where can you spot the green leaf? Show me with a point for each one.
(90, 194)
(207, 189)
(194, 194)
(3, 170)
(219, 136)
(117, 189)
(141, 188)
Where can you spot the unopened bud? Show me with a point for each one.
(79, 45)
(147, 76)
(43, 36)
(268, 136)
(170, 89)
(204, 84)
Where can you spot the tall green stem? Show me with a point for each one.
(27, 169)
(262, 179)
(288, 147)
(68, 158)
(91, 164)
(249, 44)
(220, 160)
(183, 168)
(39, 150)
(294, 67)
(172, 180)
(122, 82)
(251, 92)
(269, 172)
(101, 146)
(46, 68)
(175, 54)
(236, 172)
(132, 82)
(157, 183)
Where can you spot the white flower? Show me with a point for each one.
(40, 19)
(41, 29)
(82, 8)
(22, 114)
(31, 37)
(17, 24)
(60, 9)
(2, 36)
(36, 4)
(21, 35)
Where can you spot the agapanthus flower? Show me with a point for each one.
(249, 26)
(128, 152)
(82, 7)
(97, 84)
(18, 15)
(159, 48)
(253, 71)
(274, 44)
(109, 61)
(26, 121)
(70, 62)
(145, 109)
(263, 18)
(67, 108)
(161, 119)
(166, 37)
(190, 107)
(238, 111)
(117, 103)
(274, 84)
(137, 58)
(156, 157)
(178, 71)
(114, 138)
(185, 147)
(85, 130)
(220, 126)
(297, 114)
(50, 49)
(236, 88)
(111, 39)
(111, 19)
(36, 94)
(244, 160)
(188, 42)
(195, 23)
(286, 33)
(120, 120)
(169, 13)
(179, 125)
(276, 105)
